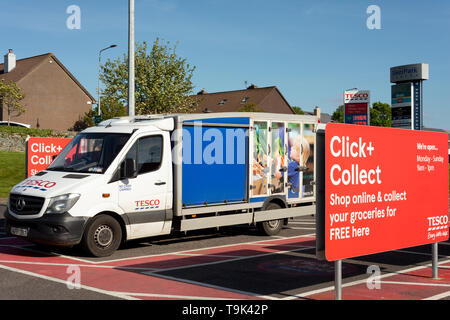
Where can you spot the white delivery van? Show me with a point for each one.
(144, 176)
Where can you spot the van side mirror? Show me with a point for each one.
(128, 169)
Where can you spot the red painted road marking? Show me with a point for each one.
(412, 285)
(138, 277)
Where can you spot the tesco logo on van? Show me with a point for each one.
(147, 204)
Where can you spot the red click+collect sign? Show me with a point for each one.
(40, 152)
(385, 189)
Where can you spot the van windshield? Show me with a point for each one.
(90, 152)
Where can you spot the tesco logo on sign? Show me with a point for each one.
(357, 96)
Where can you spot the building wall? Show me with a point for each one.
(52, 99)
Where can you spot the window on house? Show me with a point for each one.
(244, 100)
(221, 103)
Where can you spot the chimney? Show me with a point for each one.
(317, 112)
(10, 61)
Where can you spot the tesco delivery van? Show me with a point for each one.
(143, 176)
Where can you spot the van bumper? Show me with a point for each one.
(51, 229)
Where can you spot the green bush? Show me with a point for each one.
(30, 132)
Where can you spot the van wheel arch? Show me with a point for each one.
(103, 234)
(272, 227)
(279, 200)
(120, 219)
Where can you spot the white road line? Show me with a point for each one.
(198, 249)
(230, 260)
(353, 283)
(110, 293)
(251, 294)
(299, 222)
(439, 296)
(189, 251)
(415, 252)
(417, 283)
(205, 255)
(155, 295)
(78, 265)
(301, 228)
(28, 247)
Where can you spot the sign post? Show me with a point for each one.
(338, 280)
(434, 261)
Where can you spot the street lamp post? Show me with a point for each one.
(131, 85)
(98, 80)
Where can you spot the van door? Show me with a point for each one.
(145, 198)
(294, 162)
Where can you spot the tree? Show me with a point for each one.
(380, 114)
(250, 107)
(110, 107)
(163, 81)
(298, 110)
(338, 114)
(10, 97)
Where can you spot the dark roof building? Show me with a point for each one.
(54, 98)
(267, 99)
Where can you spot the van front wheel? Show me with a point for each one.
(102, 236)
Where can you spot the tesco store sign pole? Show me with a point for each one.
(40, 152)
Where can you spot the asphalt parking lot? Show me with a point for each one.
(230, 263)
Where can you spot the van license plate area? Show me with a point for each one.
(21, 232)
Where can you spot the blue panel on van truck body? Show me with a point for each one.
(215, 163)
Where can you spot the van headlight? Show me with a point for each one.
(62, 203)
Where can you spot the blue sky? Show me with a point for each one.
(312, 50)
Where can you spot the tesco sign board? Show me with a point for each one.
(385, 189)
(356, 96)
(40, 151)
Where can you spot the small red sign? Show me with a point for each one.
(40, 152)
(386, 189)
(356, 108)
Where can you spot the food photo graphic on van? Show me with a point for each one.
(143, 176)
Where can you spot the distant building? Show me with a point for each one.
(323, 117)
(54, 98)
(267, 99)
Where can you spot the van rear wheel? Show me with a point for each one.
(102, 236)
(272, 227)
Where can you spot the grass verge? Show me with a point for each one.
(12, 171)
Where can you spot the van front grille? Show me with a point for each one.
(25, 205)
